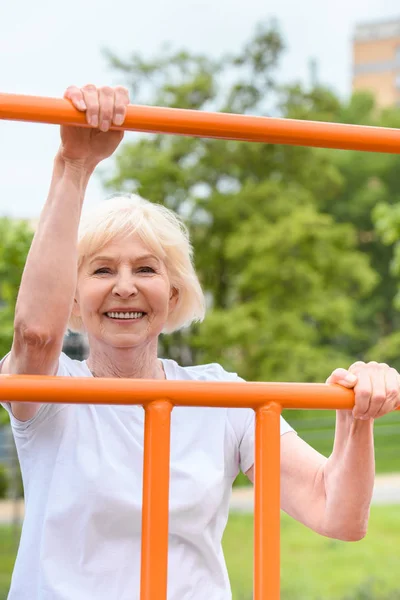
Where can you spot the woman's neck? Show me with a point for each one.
(131, 363)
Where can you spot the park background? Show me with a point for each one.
(297, 248)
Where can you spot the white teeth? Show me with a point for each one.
(126, 315)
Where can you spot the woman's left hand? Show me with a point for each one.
(376, 388)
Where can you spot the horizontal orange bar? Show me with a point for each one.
(215, 125)
(81, 390)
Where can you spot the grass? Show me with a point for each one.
(317, 568)
(7, 557)
(313, 567)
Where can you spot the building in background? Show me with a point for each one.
(376, 61)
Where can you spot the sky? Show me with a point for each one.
(48, 45)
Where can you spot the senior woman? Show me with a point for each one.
(123, 278)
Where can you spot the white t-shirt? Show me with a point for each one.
(82, 472)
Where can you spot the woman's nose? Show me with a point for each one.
(125, 286)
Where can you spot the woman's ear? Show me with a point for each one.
(173, 299)
(76, 310)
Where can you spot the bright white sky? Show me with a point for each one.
(47, 45)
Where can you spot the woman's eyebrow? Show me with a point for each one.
(101, 258)
(139, 258)
(146, 257)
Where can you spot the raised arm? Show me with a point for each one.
(49, 279)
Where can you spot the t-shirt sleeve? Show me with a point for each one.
(45, 409)
(242, 421)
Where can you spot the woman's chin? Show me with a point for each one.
(124, 340)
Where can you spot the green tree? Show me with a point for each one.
(369, 187)
(351, 187)
(283, 278)
(387, 224)
(16, 237)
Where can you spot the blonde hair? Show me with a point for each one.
(164, 234)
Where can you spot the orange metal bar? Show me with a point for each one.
(89, 390)
(267, 503)
(154, 561)
(215, 125)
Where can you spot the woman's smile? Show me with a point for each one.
(123, 316)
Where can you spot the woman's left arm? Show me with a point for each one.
(333, 496)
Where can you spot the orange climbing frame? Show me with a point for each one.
(159, 397)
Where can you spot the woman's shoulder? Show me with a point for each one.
(71, 367)
(205, 372)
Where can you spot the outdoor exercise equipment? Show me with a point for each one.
(159, 397)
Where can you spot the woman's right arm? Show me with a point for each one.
(48, 282)
(49, 279)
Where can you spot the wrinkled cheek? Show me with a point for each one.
(152, 324)
(102, 327)
(161, 319)
(92, 321)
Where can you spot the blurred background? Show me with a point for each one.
(297, 248)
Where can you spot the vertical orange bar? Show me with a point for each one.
(267, 503)
(154, 561)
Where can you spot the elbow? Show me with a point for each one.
(349, 533)
(39, 330)
(345, 528)
(32, 337)
(36, 351)
(355, 535)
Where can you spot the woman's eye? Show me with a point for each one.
(146, 270)
(102, 270)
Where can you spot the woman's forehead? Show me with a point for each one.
(124, 248)
(127, 244)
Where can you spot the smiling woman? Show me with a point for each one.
(123, 274)
(149, 227)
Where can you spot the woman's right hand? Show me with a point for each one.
(104, 107)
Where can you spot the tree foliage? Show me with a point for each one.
(296, 276)
(16, 237)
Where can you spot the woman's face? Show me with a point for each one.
(124, 295)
